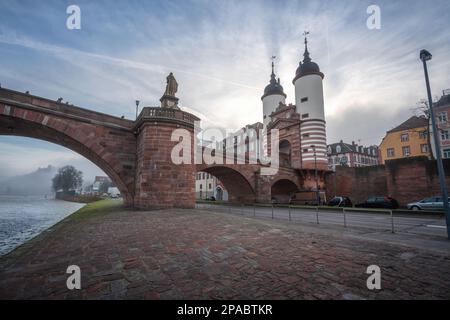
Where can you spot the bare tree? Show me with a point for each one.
(68, 178)
(422, 109)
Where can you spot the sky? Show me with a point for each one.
(219, 52)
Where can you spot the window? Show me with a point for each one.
(423, 134)
(210, 186)
(306, 135)
(305, 115)
(446, 154)
(302, 100)
(338, 149)
(204, 176)
(404, 137)
(305, 150)
(444, 135)
(406, 151)
(201, 186)
(265, 116)
(424, 148)
(390, 152)
(442, 117)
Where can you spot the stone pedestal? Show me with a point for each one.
(160, 183)
(169, 102)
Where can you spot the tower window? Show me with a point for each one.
(302, 100)
(265, 116)
(306, 135)
(305, 115)
(305, 150)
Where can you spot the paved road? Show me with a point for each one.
(403, 223)
(198, 254)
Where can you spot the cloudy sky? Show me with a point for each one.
(220, 54)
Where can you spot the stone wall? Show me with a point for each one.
(414, 178)
(357, 183)
(406, 180)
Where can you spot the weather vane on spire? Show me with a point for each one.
(305, 34)
(273, 59)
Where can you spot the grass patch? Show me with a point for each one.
(98, 208)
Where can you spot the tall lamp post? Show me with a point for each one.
(137, 108)
(426, 56)
(315, 175)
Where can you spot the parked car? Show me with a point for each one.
(308, 198)
(340, 201)
(379, 202)
(433, 203)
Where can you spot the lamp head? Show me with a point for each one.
(425, 55)
(137, 103)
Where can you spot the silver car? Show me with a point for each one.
(433, 203)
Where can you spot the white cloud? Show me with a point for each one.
(219, 52)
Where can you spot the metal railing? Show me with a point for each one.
(379, 219)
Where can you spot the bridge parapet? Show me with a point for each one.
(44, 105)
(166, 115)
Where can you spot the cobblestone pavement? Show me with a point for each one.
(190, 254)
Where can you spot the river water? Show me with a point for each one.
(24, 217)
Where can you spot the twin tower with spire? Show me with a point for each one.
(309, 104)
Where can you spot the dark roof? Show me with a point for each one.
(346, 148)
(274, 87)
(411, 123)
(307, 66)
(443, 101)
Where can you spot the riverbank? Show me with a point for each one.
(24, 217)
(194, 254)
(78, 198)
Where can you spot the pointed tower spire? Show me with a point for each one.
(272, 76)
(273, 95)
(306, 57)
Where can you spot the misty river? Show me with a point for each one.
(24, 217)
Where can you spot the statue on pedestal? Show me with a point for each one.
(169, 100)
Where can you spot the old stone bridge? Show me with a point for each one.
(136, 155)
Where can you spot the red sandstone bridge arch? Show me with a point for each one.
(137, 154)
(238, 183)
(102, 139)
(283, 188)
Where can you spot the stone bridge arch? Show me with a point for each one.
(283, 187)
(239, 180)
(104, 140)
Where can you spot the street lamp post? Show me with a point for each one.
(137, 108)
(315, 174)
(426, 56)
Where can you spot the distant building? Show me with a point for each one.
(351, 155)
(98, 182)
(409, 139)
(207, 186)
(442, 112)
(113, 192)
